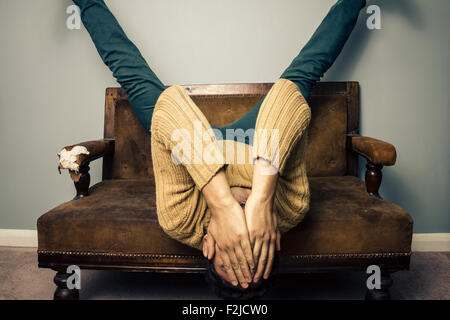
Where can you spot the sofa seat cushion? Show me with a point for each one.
(119, 216)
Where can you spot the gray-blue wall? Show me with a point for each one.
(52, 85)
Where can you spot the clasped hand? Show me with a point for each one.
(244, 241)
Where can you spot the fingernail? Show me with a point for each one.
(235, 283)
(265, 277)
(256, 280)
(245, 285)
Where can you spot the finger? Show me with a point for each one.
(252, 241)
(248, 254)
(210, 245)
(269, 263)
(278, 240)
(205, 249)
(257, 251)
(218, 256)
(275, 220)
(262, 261)
(228, 269)
(237, 268)
(245, 268)
(278, 237)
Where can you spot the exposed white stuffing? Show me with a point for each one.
(67, 159)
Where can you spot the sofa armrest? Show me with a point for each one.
(378, 154)
(75, 156)
(76, 159)
(376, 151)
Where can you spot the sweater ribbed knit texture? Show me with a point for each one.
(186, 156)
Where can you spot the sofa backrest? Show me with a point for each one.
(334, 107)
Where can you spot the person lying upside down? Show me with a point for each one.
(234, 211)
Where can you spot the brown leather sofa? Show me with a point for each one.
(113, 224)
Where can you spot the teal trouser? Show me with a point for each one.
(143, 86)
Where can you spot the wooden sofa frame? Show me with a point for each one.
(389, 262)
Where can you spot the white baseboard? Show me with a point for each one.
(422, 242)
(18, 238)
(426, 242)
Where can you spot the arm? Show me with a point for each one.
(228, 230)
(261, 220)
(123, 58)
(325, 45)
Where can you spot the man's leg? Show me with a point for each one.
(123, 58)
(318, 55)
(315, 58)
(291, 201)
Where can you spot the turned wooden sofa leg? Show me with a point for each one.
(82, 185)
(383, 293)
(62, 292)
(373, 178)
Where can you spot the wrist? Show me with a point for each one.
(262, 196)
(221, 203)
(265, 179)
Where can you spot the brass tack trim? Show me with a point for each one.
(172, 256)
(352, 255)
